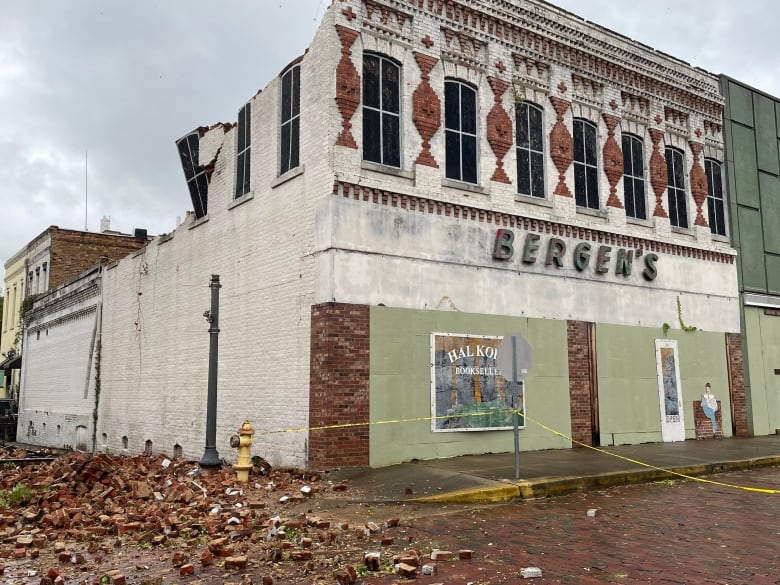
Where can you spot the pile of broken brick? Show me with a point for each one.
(79, 507)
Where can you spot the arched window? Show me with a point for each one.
(634, 176)
(586, 181)
(715, 201)
(675, 187)
(460, 124)
(529, 134)
(290, 124)
(381, 110)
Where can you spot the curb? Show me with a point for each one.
(547, 487)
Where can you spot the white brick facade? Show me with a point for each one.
(406, 238)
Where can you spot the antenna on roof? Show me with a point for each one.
(86, 191)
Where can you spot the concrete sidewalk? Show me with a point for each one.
(491, 477)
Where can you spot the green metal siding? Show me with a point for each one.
(751, 250)
(766, 135)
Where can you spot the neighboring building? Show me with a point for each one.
(50, 259)
(428, 178)
(752, 170)
(10, 337)
(59, 374)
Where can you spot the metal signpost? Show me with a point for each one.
(514, 355)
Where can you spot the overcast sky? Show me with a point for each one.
(111, 84)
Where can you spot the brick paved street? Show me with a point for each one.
(670, 532)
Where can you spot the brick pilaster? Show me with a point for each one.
(737, 383)
(339, 373)
(580, 381)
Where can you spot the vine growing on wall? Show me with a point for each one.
(683, 326)
(97, 395)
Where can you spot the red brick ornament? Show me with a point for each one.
(347, 87)
(499, 129)
(426, 109)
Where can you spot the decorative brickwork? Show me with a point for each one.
(698, 182)
(658, 172)
(613, 160)
(347, 87)
(416, 204)
(339, 374)
(561, 145)
(620, 67)
(426, 109)
(499, 129)
(737, 383)
(580, 380)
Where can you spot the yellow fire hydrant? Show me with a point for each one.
(243, 442)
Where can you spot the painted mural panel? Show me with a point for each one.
(468, 392)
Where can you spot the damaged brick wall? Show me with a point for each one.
(339, 385)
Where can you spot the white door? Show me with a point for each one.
(669, 390)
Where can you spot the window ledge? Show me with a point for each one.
(601, 213)
(387, 170)
(460, 185)
(199, 221)
(520, 198)
(682, 231)
(248, 196)
(721, 239)
(288, 176)
(636, 221)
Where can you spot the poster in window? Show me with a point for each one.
(468, 392)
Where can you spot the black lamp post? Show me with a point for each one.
(210, 459)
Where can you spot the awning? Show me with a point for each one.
(12, 363)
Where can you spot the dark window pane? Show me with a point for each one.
(452, 155)
(579, 185)
(537, 174)
(627, 155)
(521, 121)
(523, 172)
(638, 158)
(372, 139)
(294, 141)
(371, 91)
(188, 158)
(390, 87)
(451, 106)
(391, 140)
(593, 188)
(468, 110)
(679, 171)
(469, 159)
(669, 167)
(579, 144)
(286, 97)
(535, 128)
(590, 144)
(296, 87)
(284, 149)
(628, 188)
(639, 199)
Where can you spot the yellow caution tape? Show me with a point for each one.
(536, 422)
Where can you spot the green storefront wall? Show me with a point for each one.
(629, 403)
(629, 406)
(400, 385)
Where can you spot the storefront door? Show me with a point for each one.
(669, 390)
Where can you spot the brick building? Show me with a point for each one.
(429, 177)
